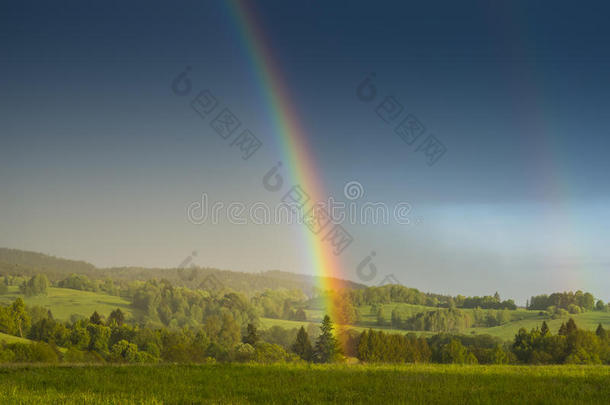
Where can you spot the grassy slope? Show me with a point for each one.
(305, 384)
(13, 339)
(520, 319)
(587, 320)
(64, 302)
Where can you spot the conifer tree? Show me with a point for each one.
(600, 331)
(544, 330)
(117, 316)
(326, 345)
(95, 318)
(363, 346)
(302, 345)
(251, 335)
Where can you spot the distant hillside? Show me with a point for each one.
(194, 277)
(13, 261)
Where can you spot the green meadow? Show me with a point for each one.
(64, 302)
(304, 384)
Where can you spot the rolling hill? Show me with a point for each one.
(13, 261)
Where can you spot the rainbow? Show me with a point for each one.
(291, 139)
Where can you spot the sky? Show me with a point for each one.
(101, 157)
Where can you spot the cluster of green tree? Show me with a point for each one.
(400, 294)
(14, 319)
(326, 348)
(486, 302)
(285, 337)
(83, 283)
(112, 340)
(539, 346)
(395, 293)
(99, 339)
(38, 352)
(572, 302)
(37, 285)
(346, 312)
(162, 304)
(34, 285)
(280, 304)
(439, 320)
(570, 345)
(491, 317)
(377, 346)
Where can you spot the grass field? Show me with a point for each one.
(303, 384)
(64, 302)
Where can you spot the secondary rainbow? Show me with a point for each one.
(291, 138)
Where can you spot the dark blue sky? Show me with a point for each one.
(99, 158)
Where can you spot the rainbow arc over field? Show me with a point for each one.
(291, 138)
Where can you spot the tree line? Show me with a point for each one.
(393, 293)
(572, 302)
(99, 339)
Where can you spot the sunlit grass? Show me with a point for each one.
(63, 302)
(305, 384)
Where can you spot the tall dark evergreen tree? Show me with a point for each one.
(300, 315)
(571, 326)
(327, 346)
(544, 329)
(600, 331)
(302, 345)
(251, 335)
(95, 318)
(116, 316)
(4, 285)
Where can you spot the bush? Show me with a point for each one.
(6, 355)
(124, 352)
(244, 352)
(73, 355)
(270, 353)
(38, 352)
